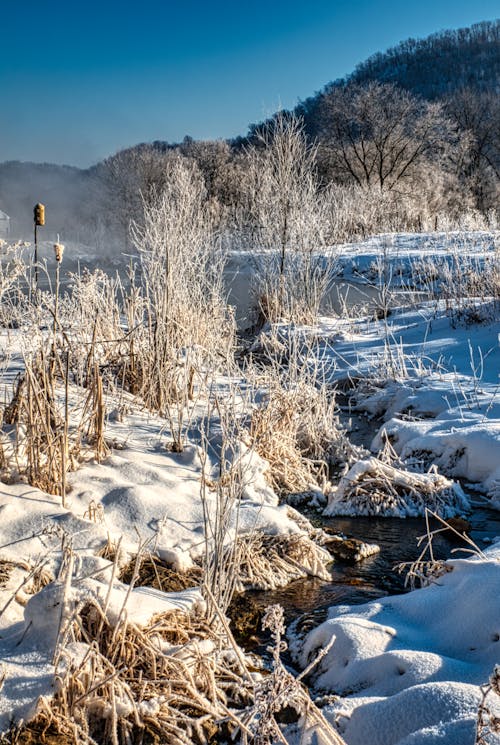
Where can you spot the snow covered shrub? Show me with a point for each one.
(372, 487)
(186, 322)
(289, 213)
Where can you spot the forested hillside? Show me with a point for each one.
(440, 64)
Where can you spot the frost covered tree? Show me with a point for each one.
(380, 136)
(289, 217)
(186, 319)
(132, 178)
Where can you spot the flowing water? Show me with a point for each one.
(374, 576)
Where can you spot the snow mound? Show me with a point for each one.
(465, 447)
(409, 667)
(372, 487)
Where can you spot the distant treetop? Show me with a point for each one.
(441, 63)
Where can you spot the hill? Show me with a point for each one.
(440, 64)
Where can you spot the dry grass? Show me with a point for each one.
(374, 487)
(50, 437)
(174, 682)
(267, 562)
(279, 693)
(426, 568)
(153, 572)
(166, 681)
(45, 443)
(44, 730)
(296, 430)
(488, 722)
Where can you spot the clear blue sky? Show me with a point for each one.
(82, 79)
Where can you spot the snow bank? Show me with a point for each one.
(462, 447)
(408, 668)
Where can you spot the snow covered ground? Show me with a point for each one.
(407, 670)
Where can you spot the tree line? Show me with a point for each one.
(387, 150)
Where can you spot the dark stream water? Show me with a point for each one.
(374, 576)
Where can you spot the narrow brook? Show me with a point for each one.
(374, 576)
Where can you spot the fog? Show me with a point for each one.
(75, 205)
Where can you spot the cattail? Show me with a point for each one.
(58, 250)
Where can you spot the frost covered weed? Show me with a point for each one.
(294, 426)
(226, 480)
(267, 562)
(13, 270)
(169, 681)
(470, 288)
(180, 679)
(42, 433)
(234, 561)
(294, 429)
(45, 445)
(372, 487)
(173, 680)
(426, 568)
(279, 691)
(186, 324)
(488, 722)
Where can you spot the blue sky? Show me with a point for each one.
(80, 80)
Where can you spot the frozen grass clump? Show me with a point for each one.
(294, 424)
(372, 487)
(267, 562)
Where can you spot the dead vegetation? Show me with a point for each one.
(44, 442)
(179, 679)
(373, 487)
(488, 719)
(151, 571)
(295, 426)
(267, 562)
(426, 568)
(289, 431)
(169, 681)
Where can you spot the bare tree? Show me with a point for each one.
(290, 219)
(133, 177)
(477, 114)
(379, 136)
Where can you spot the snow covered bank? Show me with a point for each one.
(407, 669)
(29, 648)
